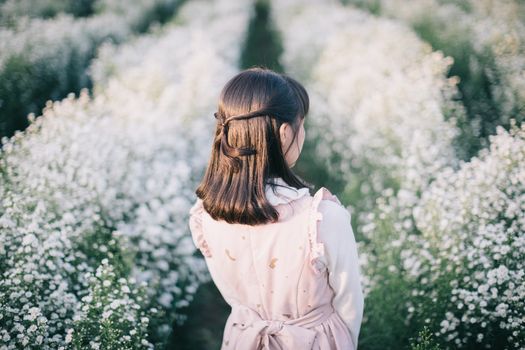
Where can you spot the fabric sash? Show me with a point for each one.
(251, 331)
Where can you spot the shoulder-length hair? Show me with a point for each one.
(246, 151)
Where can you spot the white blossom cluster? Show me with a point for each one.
(10, 10)
(44, 58)
(488, 36)
(112, 314)
(472, 235)
(141, 14)
(58, 199)
(55, 41)
(454, 253)
(35, 39)
(111, 178)
(304, 44)
(209, 41)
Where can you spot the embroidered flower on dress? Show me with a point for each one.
(272, 262)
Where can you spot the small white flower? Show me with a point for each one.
(29, 239)
(115, 304)
(33, 313)
(69, 337)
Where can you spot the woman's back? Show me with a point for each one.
(276, 277)
(292, 283)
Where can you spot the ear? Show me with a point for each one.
(284, 131)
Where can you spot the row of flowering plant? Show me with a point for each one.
(471, 248)
(487, 41)
(46, 58)
(94, 242)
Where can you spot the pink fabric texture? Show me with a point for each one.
(274, 279)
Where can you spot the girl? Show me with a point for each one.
(284, 260)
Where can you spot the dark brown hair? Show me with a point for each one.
(246, 152)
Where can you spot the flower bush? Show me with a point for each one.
(93, 217)
(455, 257)
(42, 59)
(487, 41)
(472, 225)
(109, 309)
(10, 10)
(55, 206)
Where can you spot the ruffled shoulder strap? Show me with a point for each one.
(197, 232)
(317, 250)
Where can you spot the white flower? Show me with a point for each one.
(502, 273)
(107, 314)
(501, 309)
(29, 239)
(33, 313)
(115, 304)
(69, 336)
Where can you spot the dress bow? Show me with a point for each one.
(248, 331)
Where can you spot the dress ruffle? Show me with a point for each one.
(317, 249)
(195, 223)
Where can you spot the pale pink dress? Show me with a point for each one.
(274, 278)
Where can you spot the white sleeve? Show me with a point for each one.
(341, 259)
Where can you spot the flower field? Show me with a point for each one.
(416, 117)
